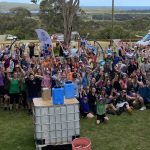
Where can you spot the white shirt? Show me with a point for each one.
(74, 52)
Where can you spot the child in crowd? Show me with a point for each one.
(84, 106)
(101, 107)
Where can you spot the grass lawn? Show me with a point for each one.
(123, 132)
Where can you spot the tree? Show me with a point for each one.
(50, 17)
(20, 12)
(68, 8)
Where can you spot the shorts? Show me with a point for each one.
(2, 90)
(101, 118)
(120, 105)
(14, 98)
(92, 109)
(30, 99)
(109, 101)
(146, 100)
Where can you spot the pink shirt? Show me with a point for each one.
(46, 81)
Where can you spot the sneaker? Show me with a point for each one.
(143, 108)
(90, 115)
(97, 121)
(129, 111)
(106, 119)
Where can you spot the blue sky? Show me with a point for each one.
(101, 2)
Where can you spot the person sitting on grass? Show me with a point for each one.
(122, 102)
(101, 107)
(31, 86)
(143, 94)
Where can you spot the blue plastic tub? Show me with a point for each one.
(69, 90)
(58, 96)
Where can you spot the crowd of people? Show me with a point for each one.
(116, 81)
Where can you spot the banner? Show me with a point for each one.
(45, 40)
(91, 47)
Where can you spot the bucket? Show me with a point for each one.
(82, 143)
(69, 90)
(46, 94)
(58, 96)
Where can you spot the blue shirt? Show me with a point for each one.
(116, 60)
(142, 91)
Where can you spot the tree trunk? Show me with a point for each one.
(67, 27)
(69, 10)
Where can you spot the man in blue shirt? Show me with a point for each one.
(144, 94)
(116, 59)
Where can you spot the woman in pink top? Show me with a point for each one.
(46, 82)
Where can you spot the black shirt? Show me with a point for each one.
(131, 69)
(31, 50)
(117, 86)
(32, 87)
(92, 98)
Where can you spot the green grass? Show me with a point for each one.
(123, 132)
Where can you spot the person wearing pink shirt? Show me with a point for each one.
(46, 80)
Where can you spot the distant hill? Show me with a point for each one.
(6, 6)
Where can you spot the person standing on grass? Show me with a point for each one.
(14, 91)
(1, 84)
(145, 68)
(31, 86)
(143, 94)
(46, 80)
(101, 107)
(92, 101)
(23, 92)
(84, 105)
(39, 77)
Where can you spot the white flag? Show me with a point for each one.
(44, 37)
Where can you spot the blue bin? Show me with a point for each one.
(58, 96)
(69, 90)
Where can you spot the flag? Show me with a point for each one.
(88, 45)
(45, 40)
(43, 37)
(91, 47)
